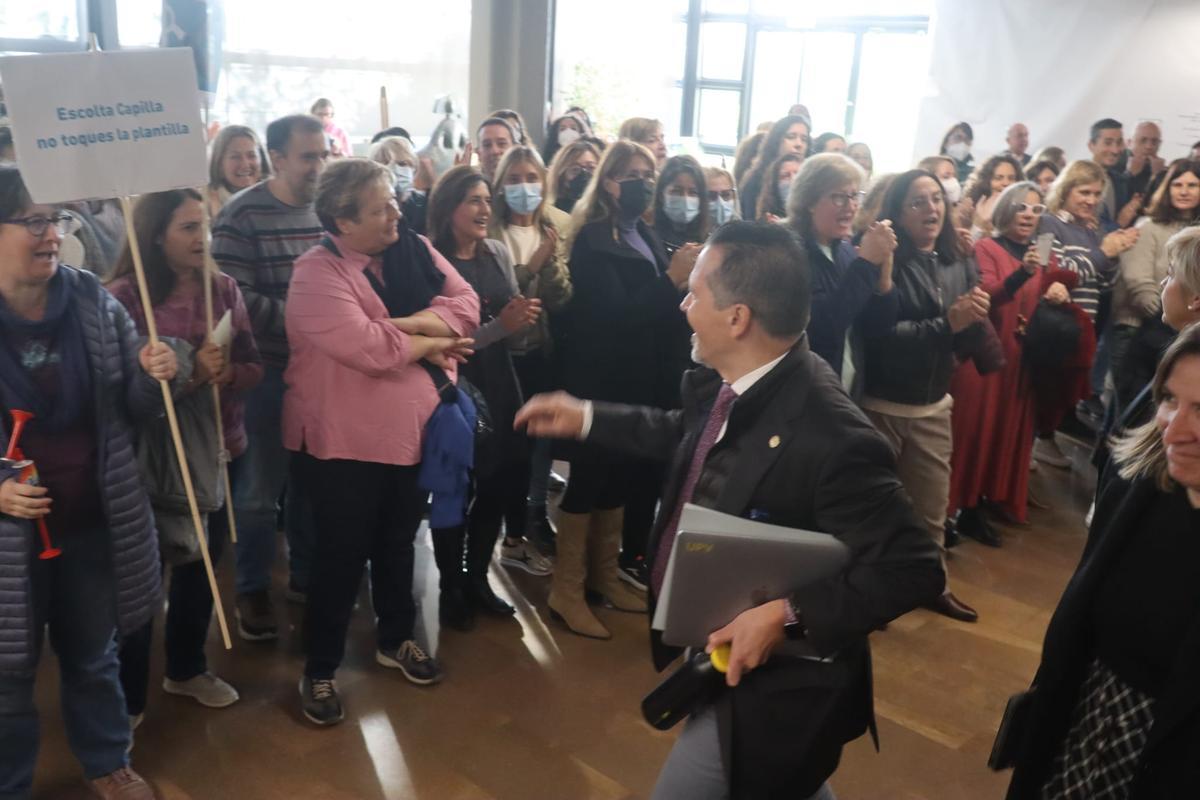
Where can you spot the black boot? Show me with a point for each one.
(972, 522)
(952, 539)
(481, 544)
(454, 609)
(540, 531)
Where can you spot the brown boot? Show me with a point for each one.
(604, 549)
(124, 784)
(567, 602)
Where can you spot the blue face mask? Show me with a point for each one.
(722, 211)
(680, 209)
(403, 176)
(523, 198)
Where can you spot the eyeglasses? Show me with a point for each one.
(1036, 208)
(63, 222)
(844, 199)
(727, 195)
(922, 203)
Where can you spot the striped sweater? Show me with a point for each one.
(1077, 248)
(256, 240)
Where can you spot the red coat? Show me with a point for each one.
(994, 415)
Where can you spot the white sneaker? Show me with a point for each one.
(206, 689)
(524, 556)
(1048, 452)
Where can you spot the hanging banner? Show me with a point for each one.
(100, 125)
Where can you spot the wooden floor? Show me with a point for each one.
(530, 712)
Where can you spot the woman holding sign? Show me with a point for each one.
(70, 355)
(170, 231)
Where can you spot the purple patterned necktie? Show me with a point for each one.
(708, 438)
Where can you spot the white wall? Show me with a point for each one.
(1059, 66)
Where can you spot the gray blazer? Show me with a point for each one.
(122, 395)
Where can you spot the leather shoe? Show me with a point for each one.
(972, 522)
(950, 534)
(953, 608)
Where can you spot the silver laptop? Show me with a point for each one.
(721, 565)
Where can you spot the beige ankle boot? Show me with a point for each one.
(604, 548)
(566, 587)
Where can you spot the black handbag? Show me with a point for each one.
(1051, 338)
(1012, 728)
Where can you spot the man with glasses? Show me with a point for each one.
(257, 236)
(1142, 163)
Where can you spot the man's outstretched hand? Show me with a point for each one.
(557, 415)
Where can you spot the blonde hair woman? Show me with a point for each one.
(570, 172)
(535, 233)
(614, 348)
(238, 161)
(1111, 713)
(647, 132)
(412, 177)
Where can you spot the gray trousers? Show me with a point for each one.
(693, 770)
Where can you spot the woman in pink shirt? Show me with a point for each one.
(338, 140)
(355, 411)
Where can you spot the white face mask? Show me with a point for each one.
(523, 198)
(723, 211)
(566, 136)
(402, 175)
(953, 190)
(958, 151)
(680, 209)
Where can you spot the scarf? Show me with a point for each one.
(62, 328)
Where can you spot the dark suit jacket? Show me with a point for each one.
(1170, 763)
(784, 726)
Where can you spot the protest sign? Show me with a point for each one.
(99, 125)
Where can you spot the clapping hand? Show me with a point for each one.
(519, 313)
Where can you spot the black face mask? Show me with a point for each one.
(635, 197)
(576, 185)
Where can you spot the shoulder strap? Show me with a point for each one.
(446, 390)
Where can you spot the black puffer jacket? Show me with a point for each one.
(122, 394)
(909, 348)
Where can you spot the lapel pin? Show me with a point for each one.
(773, 442)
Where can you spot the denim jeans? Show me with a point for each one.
(75, 594)
(259, 478)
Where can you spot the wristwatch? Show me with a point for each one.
(793, 621)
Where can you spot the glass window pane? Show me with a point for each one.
(726, 6)
(778, 58)
(270, 70)
(139, 22)
(593, 68)
(891, 83)
(825, 79)
(722, 49)
(57, 19)
(717, 116)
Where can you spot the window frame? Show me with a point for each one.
(692, 82)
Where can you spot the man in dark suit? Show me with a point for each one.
(767, 432)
